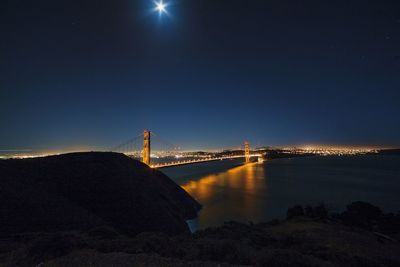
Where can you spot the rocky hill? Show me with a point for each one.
(80, 191)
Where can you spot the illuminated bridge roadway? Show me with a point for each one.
(193, 161)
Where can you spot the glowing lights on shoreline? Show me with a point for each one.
(186, 155)
(330, 151)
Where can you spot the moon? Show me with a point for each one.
(161, 7)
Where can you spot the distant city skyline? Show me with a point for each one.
(315, 149)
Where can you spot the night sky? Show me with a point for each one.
(209, 74)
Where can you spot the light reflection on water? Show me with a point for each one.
(263, 191)
(234, 192)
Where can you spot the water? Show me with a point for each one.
(258, 192)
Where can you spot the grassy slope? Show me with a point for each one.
(296, 242)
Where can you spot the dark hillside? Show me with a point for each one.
(83, 190)
(389, 151)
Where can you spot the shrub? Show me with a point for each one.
(296, 211)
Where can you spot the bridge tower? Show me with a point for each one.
(146, 147)
(247, 151)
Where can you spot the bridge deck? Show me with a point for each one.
(193, 161)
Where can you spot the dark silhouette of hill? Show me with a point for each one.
(79, 191)
(390, 151)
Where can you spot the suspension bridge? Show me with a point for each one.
(171, 155)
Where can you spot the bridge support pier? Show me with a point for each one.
(247, 151)
(146, 147)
